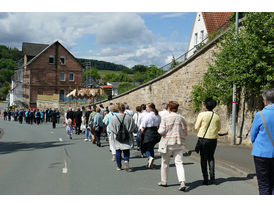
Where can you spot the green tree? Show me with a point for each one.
(247, 63)
(173, 63)
(124, 86)
(91, 72)
(152, 72)
(139, 68)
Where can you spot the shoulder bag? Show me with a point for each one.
(199, 144)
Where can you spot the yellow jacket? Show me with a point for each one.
(202, 124)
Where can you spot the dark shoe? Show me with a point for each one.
(212, 182)
(205, 182)
(162, 184)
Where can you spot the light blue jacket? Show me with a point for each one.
(98, 120)
(262, 146)
(108, 118)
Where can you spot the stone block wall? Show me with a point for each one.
(177, 85)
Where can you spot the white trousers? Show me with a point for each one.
(111, 144)
(178, 159)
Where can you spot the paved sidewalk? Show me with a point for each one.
(235, 157)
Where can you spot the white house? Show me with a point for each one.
(205, 23)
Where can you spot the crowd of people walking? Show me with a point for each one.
(32, 116)
(147, 127)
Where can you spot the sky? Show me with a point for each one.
(121, 32)
(125, 38)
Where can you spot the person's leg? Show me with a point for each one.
(178, 159)
(211, 162)
(126, 154)
(272, 174)
(263, 175)
(86, 133)
(164, 166)
(118, 158)
(204, 157)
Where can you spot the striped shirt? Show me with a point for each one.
(173, 127)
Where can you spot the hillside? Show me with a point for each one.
(101, 65)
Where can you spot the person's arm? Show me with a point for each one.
(198, 122)
(162, 127)
(255, 128)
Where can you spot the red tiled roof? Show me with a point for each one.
(213, 20)
(106, 87)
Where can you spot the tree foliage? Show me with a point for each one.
(91, 72)
(124, 86)
(246, 60)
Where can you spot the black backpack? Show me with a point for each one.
(122, 135)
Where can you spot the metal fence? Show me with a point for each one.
(184, 56)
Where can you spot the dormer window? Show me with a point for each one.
(51, 59)
(62, 60)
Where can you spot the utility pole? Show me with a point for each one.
(234, 91)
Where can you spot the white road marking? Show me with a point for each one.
(65, 169)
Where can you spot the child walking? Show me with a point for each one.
(69, 129)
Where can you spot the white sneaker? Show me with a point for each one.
(126, 166)
(89, 140)
(150, 162)
(86, 140)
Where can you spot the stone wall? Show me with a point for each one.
(177, 85)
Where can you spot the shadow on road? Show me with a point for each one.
(9, 147)
(198, 183)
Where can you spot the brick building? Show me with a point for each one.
(49, 69)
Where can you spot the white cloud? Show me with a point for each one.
(122, 38)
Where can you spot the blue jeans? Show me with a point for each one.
(87, 133)
(148, 148)
(119, 156)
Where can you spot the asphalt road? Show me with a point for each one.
(39, 160)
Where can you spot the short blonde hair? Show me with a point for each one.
(69, 121)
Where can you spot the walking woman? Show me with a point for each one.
(173, 130)
(149, 133)
(208, 125)
(125, 146)
(113, 111)
(262, 138)
(98, 124)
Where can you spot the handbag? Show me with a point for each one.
(163, 146)
(267, 131)
(199, 143)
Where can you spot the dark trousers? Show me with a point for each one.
(208, 147)
(119, 156)
(97, 135)
(148, 148)
(38, 120)
(20, 120)
(77, 128)
(265, 174)
(53, 124)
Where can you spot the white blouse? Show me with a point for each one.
(151, 120)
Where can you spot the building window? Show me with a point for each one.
(196, 38)
(202, 35)
(51, 59)
(71, 77)
(62, 60)
(62, 76)
(199, 17)
(40, 91)
(62, 95)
